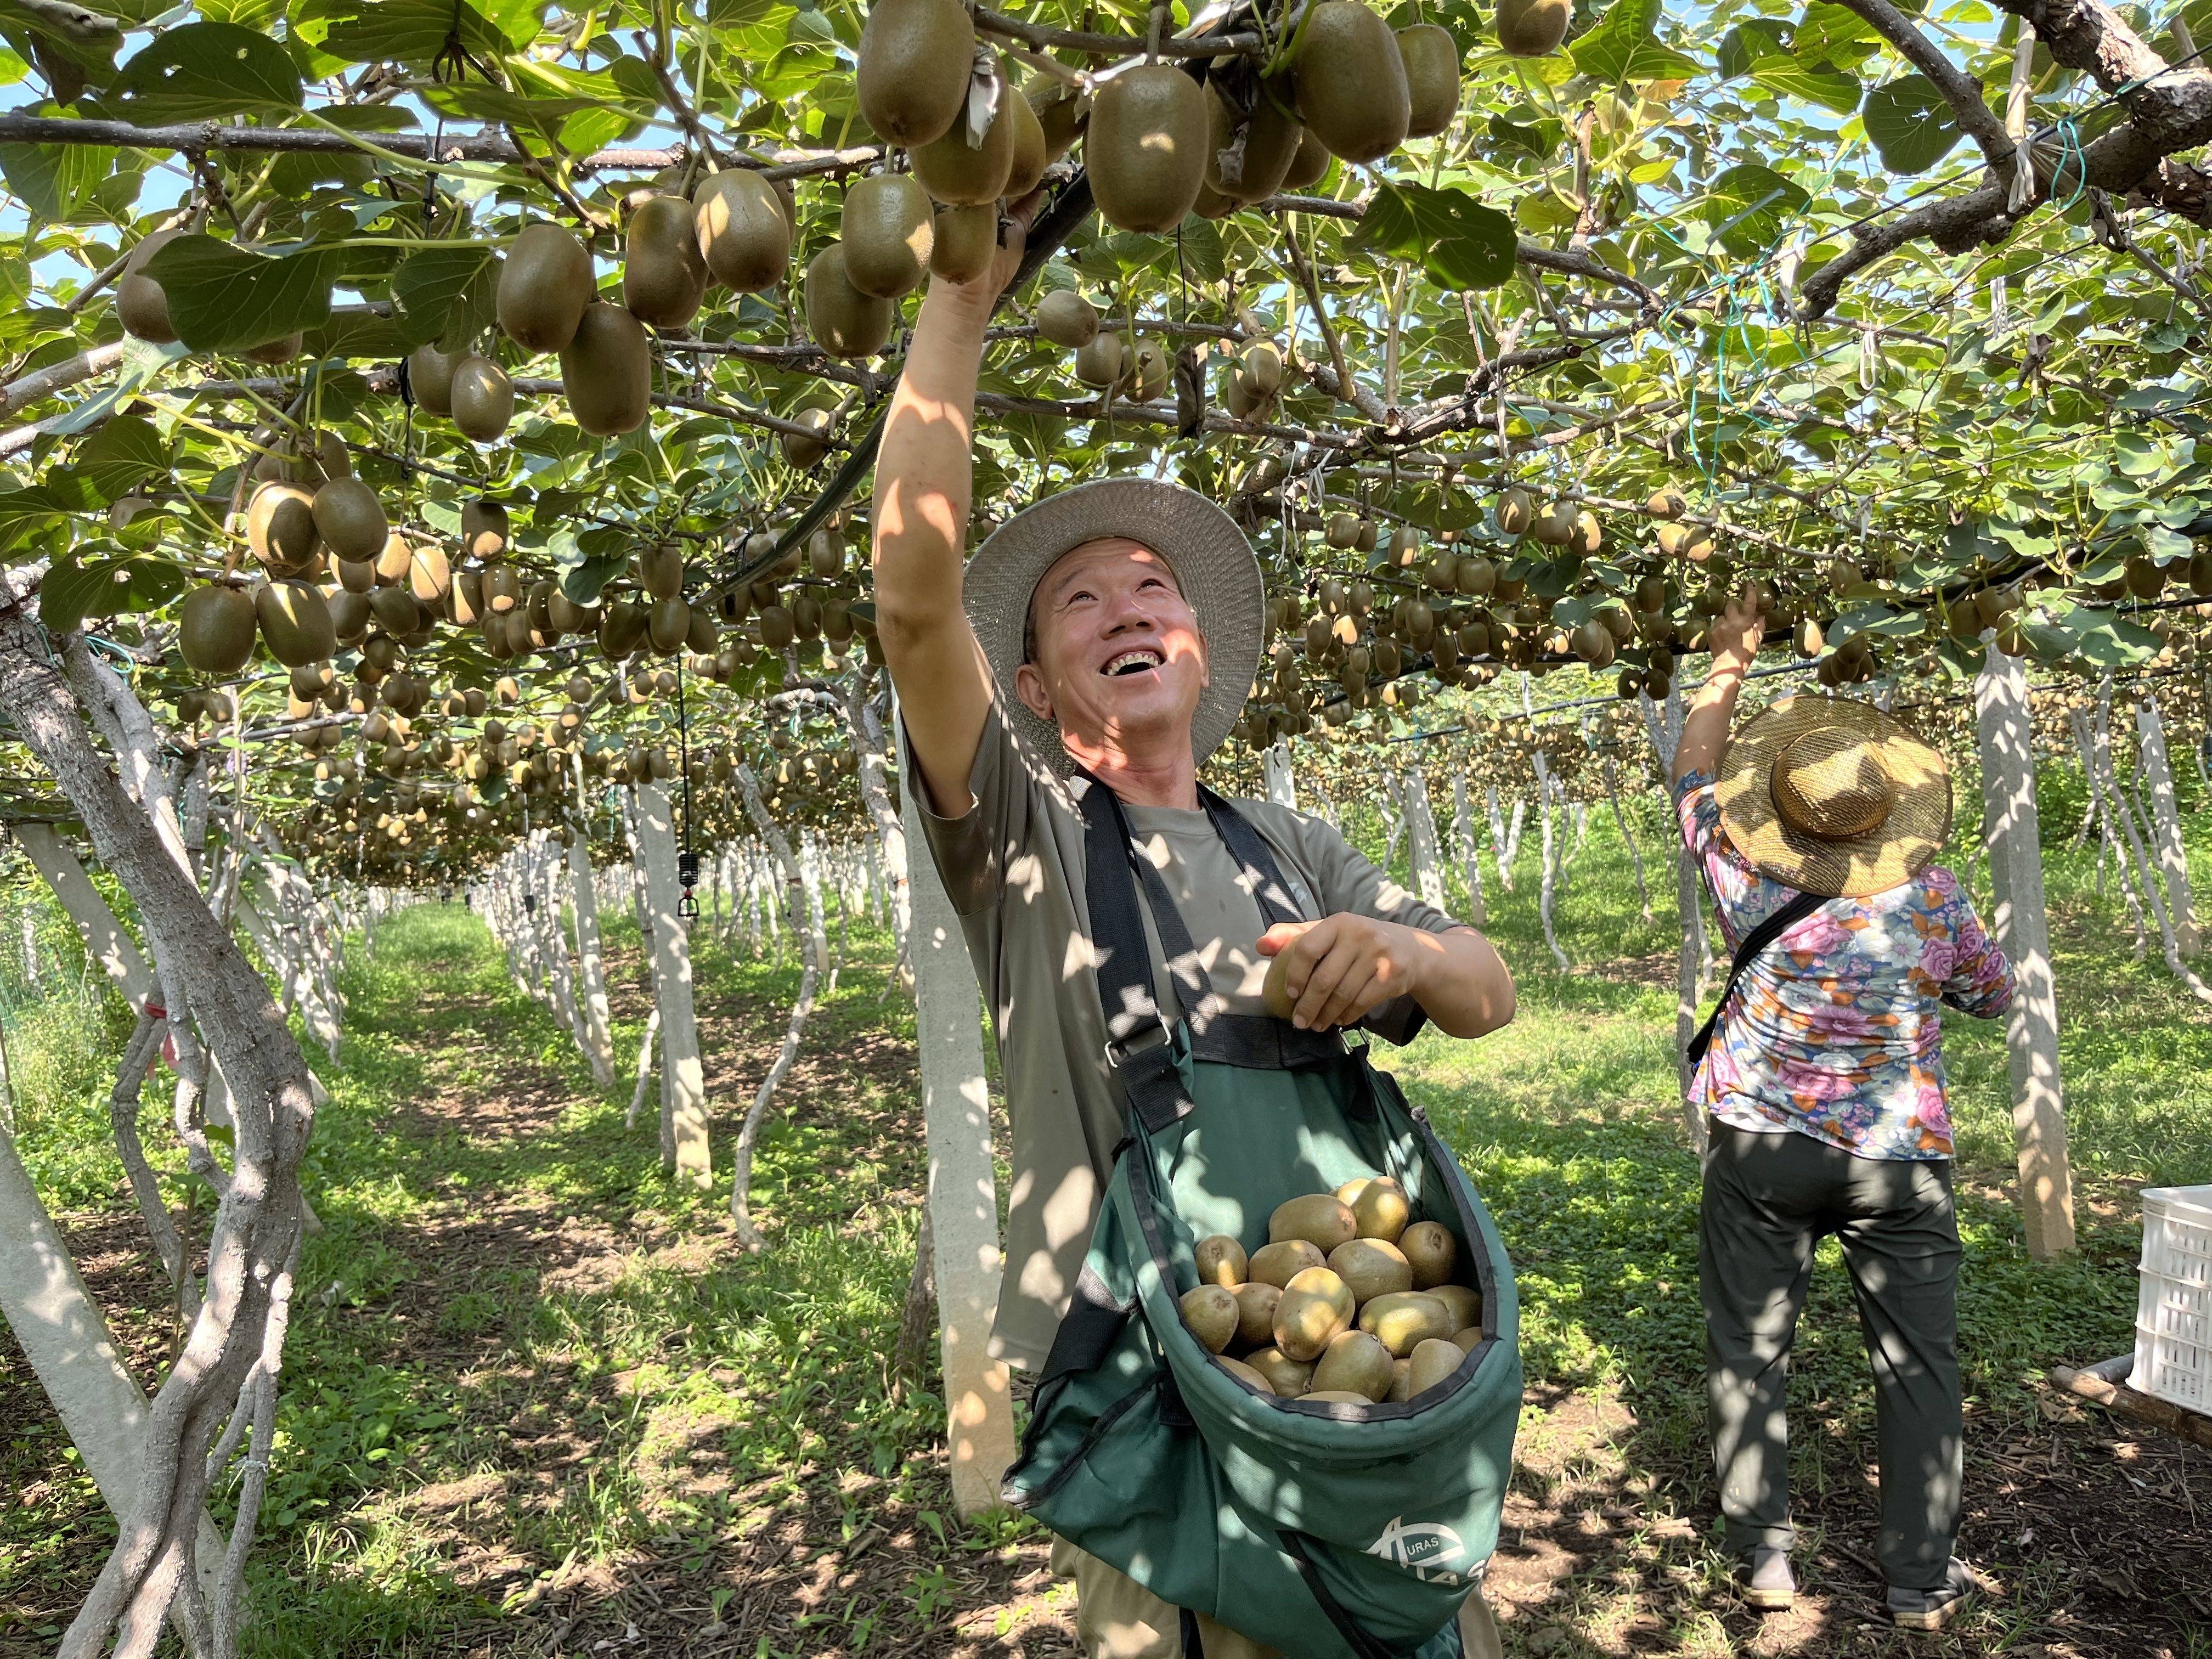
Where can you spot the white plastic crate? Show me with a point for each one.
(2173, 1312)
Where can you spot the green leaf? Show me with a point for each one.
(24, 514)
(428, 285)
(1604, 49)
(203, 72)
(1749, 41)
(222, 298)
(1910, 123)
(105, 587)
(1820, 83)
(121, 455)
(583, 573)
(410, 32)
(1748, 207)
(1460, 242)
(55, 180)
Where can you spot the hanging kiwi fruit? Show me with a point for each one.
(141, 305)
(294, 623)
(349, 519)
(1067, 318)
(606, 371)
(1252, 136)
(844, 322)
(1532, 28)
(430, 378)
(482, 399)
(965, 241)
(1350, 81)
(914, 63)
(1146, 148)
(744, 229)
(280, 528)
(1030, 156)
(543, 287)
(665, 274)
(1432, 59)
(889, 231)
(804, 452)
(485, 529)
(216, 626)
(960, 173)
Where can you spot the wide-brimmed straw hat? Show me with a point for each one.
(1835, 797)
(1213, 561)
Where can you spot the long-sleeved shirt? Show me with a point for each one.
(1836, 1031)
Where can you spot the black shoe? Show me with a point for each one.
(1931, 1609)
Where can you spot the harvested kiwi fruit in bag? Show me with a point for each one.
(1351, 1299)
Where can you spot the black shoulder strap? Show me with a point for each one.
(1801, 906)
(1255, 858)
(1149, 1076)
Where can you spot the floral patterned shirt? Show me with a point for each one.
(1835, 1030)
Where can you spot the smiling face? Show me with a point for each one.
(1118, 659)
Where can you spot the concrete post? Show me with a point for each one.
(683, 1122)
(2014, 836)
(964, 1193)
(104, 938)
(598, 1042)
(2166, 823)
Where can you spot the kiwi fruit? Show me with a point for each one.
(844, 322)
(1244, 1373)
(1351, 82)
(1469, 1340)
(357, 576)
(1430, 1250)
(1532, 28)
(1664, 502)
(1462, 1302)
(1211, 1312)
(295, 624)
(215, 629)
(621, 627)
(1067, 318)
(606, 371)
(1145, 149)
(1287, 1377)
(1062, 112)
(1271, 139)
(1401, 1377)
(701, 639)
(481, 399)
(1321, 1218)
(1275, 989)
(1150, 373)
(743, 231)
(141, 305)
(1372, 1267)
(1403, 1318)
(1103, 360)
(350, 615)
(916, 60)
(1355, 1363)
(1030, 159)
(281, 350)
(660, 571)
(776, 627)
(668, 625)
(280, 528)
(1555, 524)
(1325, 1282)
(663, 273)
(1515, 512)
(1311, 165)
(888, 231)
(392, 560)
(1221, 1260)
(1277, 1264)
(966, 241)
(1256, 1313)
(544, 287)
(962, 174)
(1430, 58)
(1304, 1323)
(1432, 1362)
(503, 589)
(485, 529)
(428, 573)
(1378, 1204)
(1211, 204)
(804, 451)
(394, 611)
(349, 519)
(430, 377)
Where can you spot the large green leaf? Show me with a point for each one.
(1748, 207)
(203, 72)
(428, 285)
(55, 180)
(222, 298)
(412, 32)
(1749, 41)
(122, 455)
(105, 587)
(1820, 83)
(1460, 242)
(1910, 123)
(1620, 47)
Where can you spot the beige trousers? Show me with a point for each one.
(1117, 1618)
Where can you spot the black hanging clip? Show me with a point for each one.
(687, 873)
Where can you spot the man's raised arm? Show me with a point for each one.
(924, 477)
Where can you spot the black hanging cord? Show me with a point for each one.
(687, 860)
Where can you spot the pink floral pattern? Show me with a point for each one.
(1837, 1030)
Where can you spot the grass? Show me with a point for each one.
(534, 1391)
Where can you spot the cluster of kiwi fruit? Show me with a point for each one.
(1350, 1300)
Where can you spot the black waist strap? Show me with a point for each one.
(1799, 906)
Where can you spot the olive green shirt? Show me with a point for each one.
(1014, 866)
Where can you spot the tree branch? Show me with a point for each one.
(1960, 90)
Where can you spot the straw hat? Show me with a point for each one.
(1213, 562)
(1832, 796)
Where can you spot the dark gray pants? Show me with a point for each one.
(1769, 1200)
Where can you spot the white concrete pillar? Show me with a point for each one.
(2009, 826)
(964, 1193)
(2166, 823)
(598, 1040)
(683, 1118)
(104, 938)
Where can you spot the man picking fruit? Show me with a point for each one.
(1059, 696)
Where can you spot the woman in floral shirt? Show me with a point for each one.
(1824, 1091)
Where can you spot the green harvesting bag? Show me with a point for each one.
(1329, 1530)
